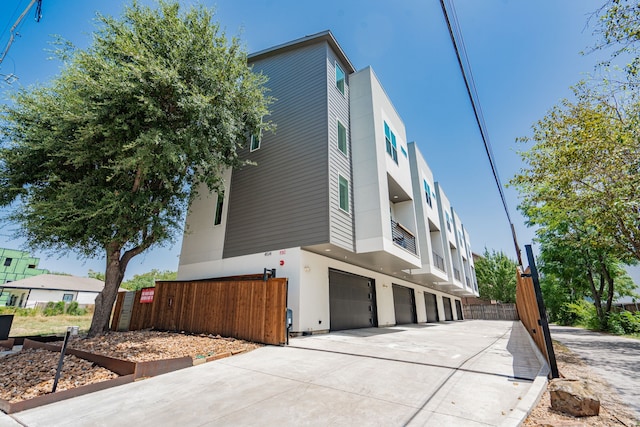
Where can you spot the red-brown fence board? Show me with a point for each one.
(528, 311)
(246, 308)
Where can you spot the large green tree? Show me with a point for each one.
(583, 161)
(106, 158)
(496, 274)
(148, 279)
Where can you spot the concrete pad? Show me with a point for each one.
(454, 374)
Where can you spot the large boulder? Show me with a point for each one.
(573, 397)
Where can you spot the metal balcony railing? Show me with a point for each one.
(438, 261)
(403, 237)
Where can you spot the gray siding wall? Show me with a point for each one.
(283, 201)
(341, 222)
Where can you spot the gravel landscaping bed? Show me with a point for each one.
(30, 372)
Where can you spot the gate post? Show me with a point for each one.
(543, 313)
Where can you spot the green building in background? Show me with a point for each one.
(16, 265)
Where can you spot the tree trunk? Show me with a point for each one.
(596, 295)
(105, 299)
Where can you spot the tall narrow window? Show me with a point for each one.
(340, 78)
(219, 205)
(448, 220)
(343, 183)
(427, 192)
(390, 141)
(342, 138)
(255, 142)
(7, 262)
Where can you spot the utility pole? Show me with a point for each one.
(13, 33)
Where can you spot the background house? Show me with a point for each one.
(31, 291)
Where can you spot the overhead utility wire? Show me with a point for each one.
(13, 32)
(467, 75)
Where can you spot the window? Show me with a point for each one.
(340, 78)
(31, 266)
(342, 138)
(404, 152)
(390, 140)
(67, 297)
(427, 192)
(7, 262)
(448, 221)
(219, 203)
(343, 183)
(255, 143)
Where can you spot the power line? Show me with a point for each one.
(467, 75)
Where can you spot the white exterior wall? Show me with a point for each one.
(372, 166)
(202, 240)
(86, 297)
(308, 275)
(47, 295)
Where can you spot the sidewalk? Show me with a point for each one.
(611, 357)
(472, 373)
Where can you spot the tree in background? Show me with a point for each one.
(148, 280)
(496, 274)
(618, 27)
(107, 157)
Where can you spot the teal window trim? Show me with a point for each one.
(343, 186)
(255, 143)
(427, 192)
(340, 78)
(342, 138)
(390, 143)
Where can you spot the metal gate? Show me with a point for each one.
(448, 312)
(431, 304)
(352, 301)
(404, 304)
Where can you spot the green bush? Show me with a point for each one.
(624, 322)
(585, 315)
(54, 308)
(74, 310)
(18, 311)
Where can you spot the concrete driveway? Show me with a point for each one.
(471, 373)
(614, 358)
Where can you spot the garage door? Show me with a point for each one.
(431, 303)
(459, 309)
(352, 301)
(404, 304)
(448, 312)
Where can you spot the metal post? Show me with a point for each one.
(71, 330)
(543, 313)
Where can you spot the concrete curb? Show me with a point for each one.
(537, 389)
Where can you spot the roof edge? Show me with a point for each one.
(305, 41)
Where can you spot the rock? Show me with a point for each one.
(573, 397)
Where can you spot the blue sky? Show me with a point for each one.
(525, 55)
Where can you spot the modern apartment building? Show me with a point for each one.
(16, 265)
(339, 202)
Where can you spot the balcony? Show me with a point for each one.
(403, 237)
(438, 261)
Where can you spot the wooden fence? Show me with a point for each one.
(528, 309)
(249, 309)
(490, 311)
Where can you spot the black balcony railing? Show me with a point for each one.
(438, 261)
(403, 237)
(456, 274)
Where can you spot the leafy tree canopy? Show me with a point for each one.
(107, 156)
(148, 280)
(496, 274)
(618, 27)
(584, 164)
